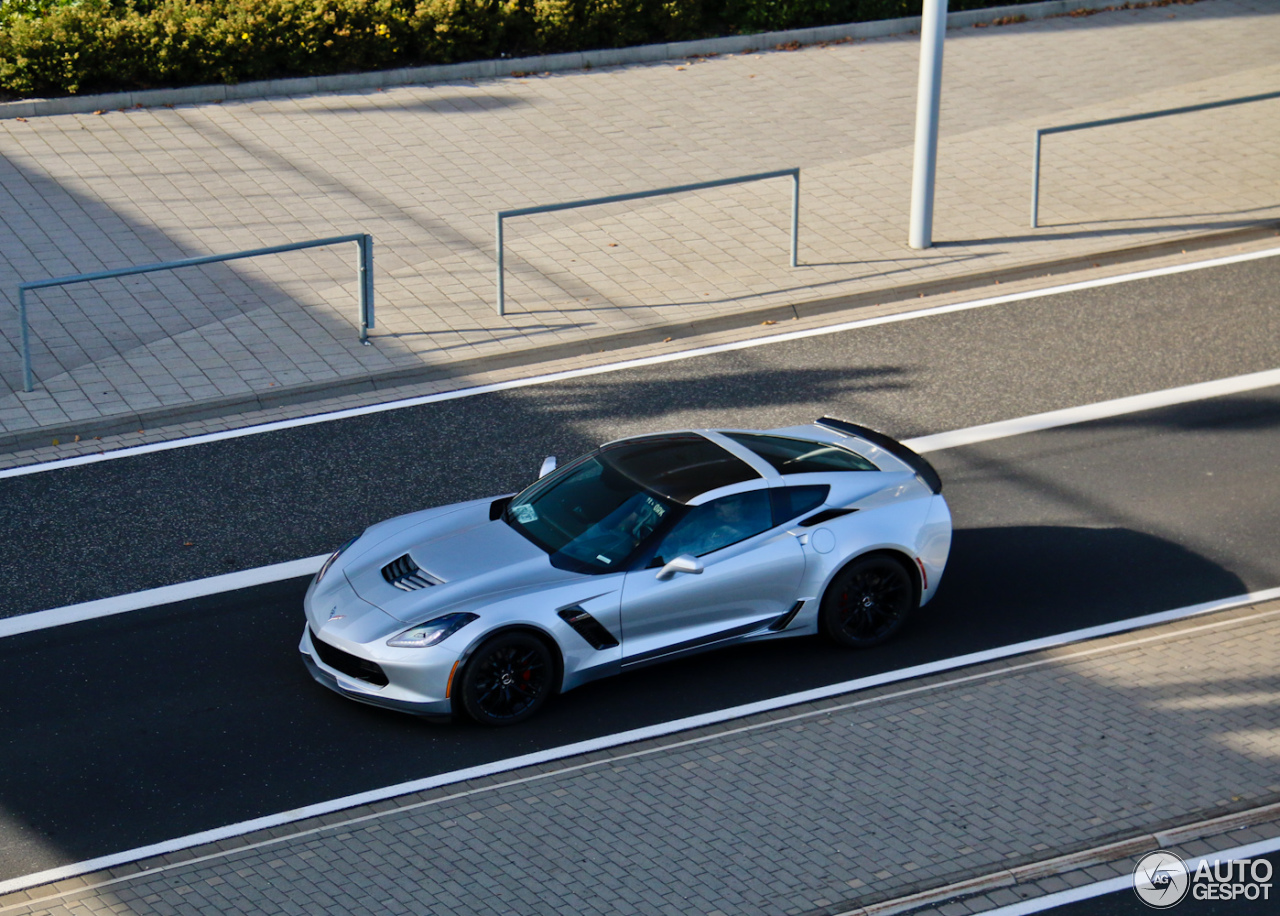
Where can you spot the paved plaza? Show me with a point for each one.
(423, 169)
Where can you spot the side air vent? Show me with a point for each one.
(785, 620)
(825, 515)
(586, 626)
(406, 575)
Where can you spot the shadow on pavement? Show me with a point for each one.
(133, 729)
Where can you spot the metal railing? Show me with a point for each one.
(364, 273)
(1084, 125)
(635, 195)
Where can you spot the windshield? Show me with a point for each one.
(589, 515)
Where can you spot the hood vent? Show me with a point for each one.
(406, 575)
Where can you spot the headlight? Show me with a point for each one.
(337, 553)
(431, 632)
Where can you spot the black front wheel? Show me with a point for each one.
(868, 601)
(507, 679)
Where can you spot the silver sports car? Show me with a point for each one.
(646, 549)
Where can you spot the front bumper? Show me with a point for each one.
(367, 693)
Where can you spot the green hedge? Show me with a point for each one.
(56, 47)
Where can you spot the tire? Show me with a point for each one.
(868, 602)
(507, 679)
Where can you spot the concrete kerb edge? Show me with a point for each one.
(1059, 865)
(909, 295)
(547, 63)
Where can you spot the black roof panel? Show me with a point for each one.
(678, 466)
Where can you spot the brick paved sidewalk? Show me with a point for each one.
(823, 808)
(424, 168)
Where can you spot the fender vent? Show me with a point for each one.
(406, 575)
(586, 626)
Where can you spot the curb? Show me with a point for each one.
(546, 63)
(1097, 855)
(393, 378)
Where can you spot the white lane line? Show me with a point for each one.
(1152, 400)
(621, 738)
(25, 623)
(634, 363)
(1125, 882)
(120, 604)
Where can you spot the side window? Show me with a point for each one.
(717, 524)
(788, 502)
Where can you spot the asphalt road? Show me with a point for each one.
(138, 728)
(122, 526)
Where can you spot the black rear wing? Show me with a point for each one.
(890, 445)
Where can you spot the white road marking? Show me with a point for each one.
(105, 607)
(1125, 882)
(609, 741)
(1153, 400)
(633, 363)
(197, 588)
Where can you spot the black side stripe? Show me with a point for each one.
(694, 643)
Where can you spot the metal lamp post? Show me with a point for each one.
(933, 29)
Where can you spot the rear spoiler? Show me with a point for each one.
(890, 445)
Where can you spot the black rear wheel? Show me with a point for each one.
(507, 679)
(868, 601)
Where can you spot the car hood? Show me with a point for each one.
(471, 558)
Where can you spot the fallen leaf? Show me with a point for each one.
(769, 321)
(188, 543)
(613, 244)
(23, 120)
(664, 340)
(99, 111)
(55, 442)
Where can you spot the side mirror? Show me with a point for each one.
(686, 563)
(548, 465)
